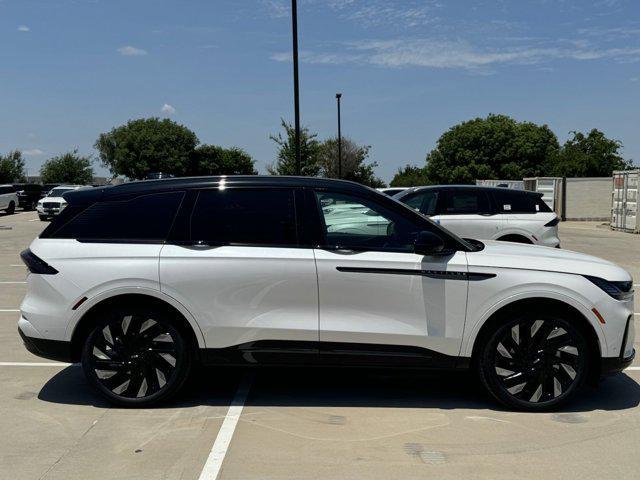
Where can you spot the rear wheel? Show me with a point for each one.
(534, 362)
(136, 356)
(43, 218)
(11, 208)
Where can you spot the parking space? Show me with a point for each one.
(305, 424)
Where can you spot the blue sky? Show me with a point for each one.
(408, 70)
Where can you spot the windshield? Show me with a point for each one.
(57, 192)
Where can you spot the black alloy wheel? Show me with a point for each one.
(136, 357)
(535, 362)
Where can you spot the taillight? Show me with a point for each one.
(553, 222)
(35, 264)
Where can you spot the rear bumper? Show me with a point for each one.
(49, 349)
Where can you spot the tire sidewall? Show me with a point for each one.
(183, 360)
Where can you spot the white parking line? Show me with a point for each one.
(11, 283)
(35, 364)
(8, 310)
(211, 468)
(632, 368)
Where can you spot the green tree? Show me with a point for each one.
(69, 168)
(12, 167)
(591, 155)
(410, 176)
(354, 166)
(285, 164)
(147, 145)
(494, 147)
(214, 160)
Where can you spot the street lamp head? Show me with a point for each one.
(338, 95)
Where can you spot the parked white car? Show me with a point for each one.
(53, 203)
(139, 281)
(8, 198)
(487, 213)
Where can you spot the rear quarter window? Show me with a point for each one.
(143, 219)
(519, 202)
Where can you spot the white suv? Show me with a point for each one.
(8, 198)
(53, 203)
(141, 280)
(487, 213)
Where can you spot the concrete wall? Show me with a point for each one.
(589, 198)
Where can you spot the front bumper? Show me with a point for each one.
(627, 352)
(613, 365)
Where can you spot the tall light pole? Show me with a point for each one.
(296, 83)
(338, 97)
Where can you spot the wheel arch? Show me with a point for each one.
(182, 318)
(535, 304)
(516, 238)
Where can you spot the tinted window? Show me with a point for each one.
(354, 223)
(461, 201)
(518, 202)
(245, 216)
(8, 189)
(424, 202)
(144, 218)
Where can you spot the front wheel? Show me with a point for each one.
(136, 356)
(534, 362)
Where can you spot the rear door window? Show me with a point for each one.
(245, 216)
(465, 201)
(143, 219)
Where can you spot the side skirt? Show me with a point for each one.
(294, 353)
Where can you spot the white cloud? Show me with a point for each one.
(277, 8)
(32, 152)
(168, 109)
(422, 52)
(23, 28)
(129, 51)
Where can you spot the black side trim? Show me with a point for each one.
(296, 353)
(442, 274)
(49, 349)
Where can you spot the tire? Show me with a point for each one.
(135, 356)
(535, 362)
(11, 209)
(33, 205)
(43, 218)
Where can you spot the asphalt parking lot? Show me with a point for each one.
(303, 424)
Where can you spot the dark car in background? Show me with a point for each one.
(28, 195)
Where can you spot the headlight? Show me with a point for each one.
(617, 290)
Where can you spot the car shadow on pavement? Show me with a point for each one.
(341, 387)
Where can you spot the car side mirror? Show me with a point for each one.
(427, 243)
